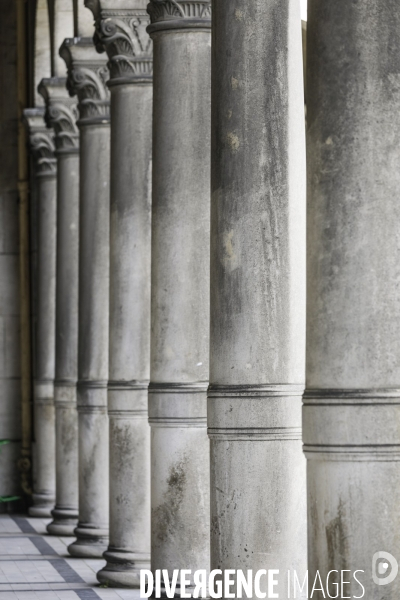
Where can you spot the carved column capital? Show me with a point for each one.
(41, 141)
(87, 78)
(121, 31)
(61, 114)
(179, 14)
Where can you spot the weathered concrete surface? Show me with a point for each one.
(129, 50)
(180, 286)
(87, 74)
(61, 114)
(42, 149)
(352, 405)
(257, 344)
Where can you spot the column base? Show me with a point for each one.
(42, 506)
(90, 542)
(122, 568)
(64, 521)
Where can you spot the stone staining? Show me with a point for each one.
(352, 402)
(180, 536)
(257, 344)
(87, 76)
(61, 115)
(121, 31)
(42, 148)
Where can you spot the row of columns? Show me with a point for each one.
(138, 343)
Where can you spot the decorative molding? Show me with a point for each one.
(185, 422)
(96, 384)
(264, 390)
(122, 33)
(367, 453)
(42, 148)
(179, 13)
(63, 120)
(351, 397)
(253, 434)
(61, 114)
(87, 79)
(41, 141)
(127, 385)
(197, 387)
(88, 83)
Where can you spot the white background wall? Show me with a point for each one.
(303, 8)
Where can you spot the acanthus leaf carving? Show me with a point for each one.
(41, 142)
(89, 85)
(42, 148)
(87, 79)
(166, 10)
(63, 120)
(123, 35)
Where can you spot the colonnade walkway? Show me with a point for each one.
(37, 566)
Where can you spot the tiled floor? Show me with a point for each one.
(37, 566)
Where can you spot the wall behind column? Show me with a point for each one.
(10, 402)
(63, 28)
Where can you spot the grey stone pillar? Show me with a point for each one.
(87, 75)
(180, 535)
(257, 345)
(61, 115)
(42, 147)
(122, 33)
(352, 402)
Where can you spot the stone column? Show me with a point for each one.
(87, 75)
(352, 402)
(257, 345)
(122, 34)
(180, 535)
(42, 147)
(61, 115)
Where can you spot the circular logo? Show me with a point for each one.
(384, 568)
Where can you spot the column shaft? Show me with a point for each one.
(257, 345)
(180, 287)
(66, 510)
(129, 334)
(44, 415)
(92, 531)
(87, 75)
(352, 403)
(42, 148)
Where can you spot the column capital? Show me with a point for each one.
(87, 78)
(41, 141)
(179, 14)
(121, 31)
(61, 114)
